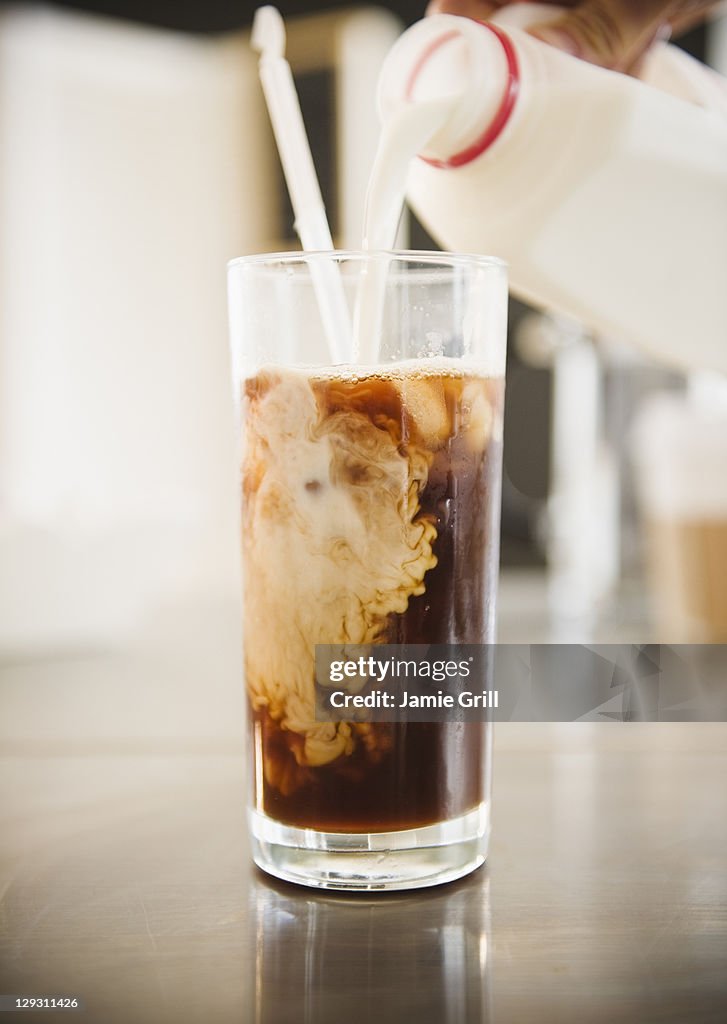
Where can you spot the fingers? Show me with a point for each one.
(687, 15)
(612, 33)
(616, 33)
(479, 9)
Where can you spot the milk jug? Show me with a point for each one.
(606, 195)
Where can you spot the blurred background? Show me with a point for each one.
(136, 158)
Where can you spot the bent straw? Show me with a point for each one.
(268, 38)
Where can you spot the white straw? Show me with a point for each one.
(268, 38)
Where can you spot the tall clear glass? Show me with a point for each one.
(370, 514)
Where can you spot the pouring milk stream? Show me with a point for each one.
(565, 170)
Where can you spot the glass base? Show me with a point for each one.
(374, 861)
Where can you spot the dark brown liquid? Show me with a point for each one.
(407, 775)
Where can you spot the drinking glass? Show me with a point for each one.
(370, 493)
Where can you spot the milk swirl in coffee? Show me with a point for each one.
(365, 520)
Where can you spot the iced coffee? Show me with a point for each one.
(371, 432)
(370, 507)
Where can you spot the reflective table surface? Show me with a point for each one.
(126, 881)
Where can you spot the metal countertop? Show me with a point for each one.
(126, 880)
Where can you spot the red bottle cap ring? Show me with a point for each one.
(502, 115)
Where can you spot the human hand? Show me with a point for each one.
(612, 33)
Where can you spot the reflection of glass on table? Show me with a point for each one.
(383, 958)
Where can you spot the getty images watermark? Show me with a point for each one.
(398, 682)
(521, 682)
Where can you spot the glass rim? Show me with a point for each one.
(430, 256)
